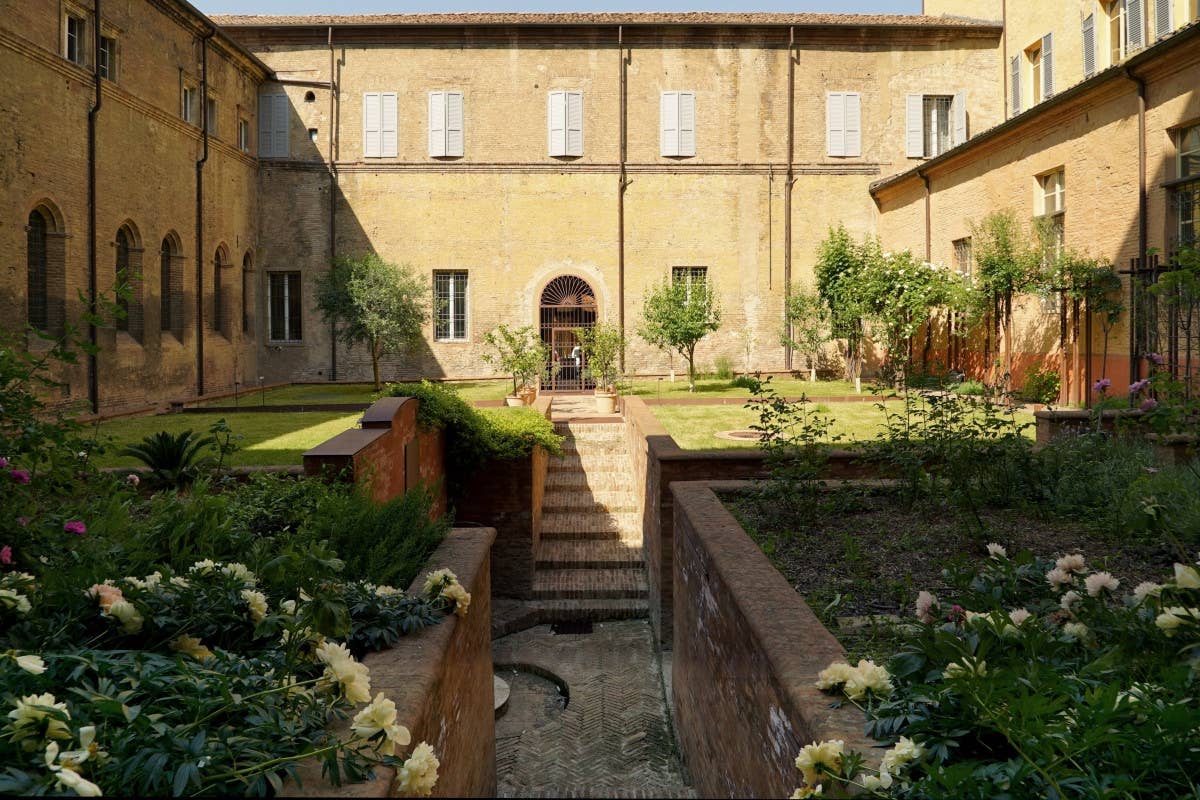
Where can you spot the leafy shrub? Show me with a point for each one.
(1039, 679)
(174, 459)
(1041, 386)
(474, 437)
(970, 388)
(723, 368)
(746, 382)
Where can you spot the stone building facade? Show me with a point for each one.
(508, 158)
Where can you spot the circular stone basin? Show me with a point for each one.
(739, 435)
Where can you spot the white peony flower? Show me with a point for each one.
(926, 602)
(997, 550)
(1019, 615)
(1100, 581)
(1069, 599)
(1146, 589)
(1186, 577)
(904, 752)
(1059, 577)
(256, 602)
(380, 717)
(1074, 562)
(1076, 630)
(827, 754)
(419, 774)
(437, 578)
(834, 675)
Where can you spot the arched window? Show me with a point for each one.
(170, 287)
(123, 277)
(38, 271)
(247, 268)
(220, 293)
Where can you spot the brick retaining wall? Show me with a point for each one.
(747, 650)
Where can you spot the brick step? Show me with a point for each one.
(587, 792)
(546, 612)
(589, 584)
(591, 553)
(587, 499)
(589, 447)
(590, 462)
(598, 481)
(594, 522)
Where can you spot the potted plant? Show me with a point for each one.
(522, 354)
(602, 347)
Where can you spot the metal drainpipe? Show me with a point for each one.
(787, 194)
(1135, 366)
(928, 220)
(93, 113)
(332, 196)
(622, 183)
(200, 211)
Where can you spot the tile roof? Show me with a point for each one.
(608, 18)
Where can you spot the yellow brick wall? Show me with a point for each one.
(146, 167)
(515, 217)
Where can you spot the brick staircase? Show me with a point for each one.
(589, 562)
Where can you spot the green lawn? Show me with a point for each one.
(716, 387)
(693, 427)
(327, 393)
(267, 439)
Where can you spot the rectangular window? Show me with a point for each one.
(1034, 54)
(1054, 192)
(243, 136)
(379, 125)
(1127, 28)
(843, 124)
(274, 112)
(678, 124)
(964, 256)
(75, 39)
(1053, 205)
(108, 58)
(188, 104)
(564, 114)
(937, 125)
(450, 306)
(445, 124)
(694, 279)
(934, 123)
(283, 306)
(210, 117)
(1185, 196)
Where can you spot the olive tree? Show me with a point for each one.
(676, 315)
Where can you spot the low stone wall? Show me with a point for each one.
(1055, 422)
(657, 463)
(507, 496)
(441, 681)
(389, 453)
(747, 650)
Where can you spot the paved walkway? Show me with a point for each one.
(613, 738)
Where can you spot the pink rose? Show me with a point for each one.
(5, 555)
(20, 476)
(76, 527)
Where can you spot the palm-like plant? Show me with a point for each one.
(174, 459)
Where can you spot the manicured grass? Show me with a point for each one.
(693, 427)
(715, 387)
(329, 393)
(267, 439)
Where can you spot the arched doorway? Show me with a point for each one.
(567, 304)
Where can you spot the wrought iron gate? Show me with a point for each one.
(1166, 316)
(567, 304)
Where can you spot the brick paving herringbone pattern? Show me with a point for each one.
(612, 740)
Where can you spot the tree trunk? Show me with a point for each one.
(691, 359)
(1008, 342)
(375, 363)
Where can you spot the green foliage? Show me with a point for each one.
(370, 301)
(602, 348)
(795, 437)
(971, 388)
(474, 438)
(839, 263)
(723, 368)
(808, 317)
(676, 317)
(1041, 386)
(174, 460)
(518, 351)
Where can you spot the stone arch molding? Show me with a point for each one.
(531, 293)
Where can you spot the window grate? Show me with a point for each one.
(39, 307)
(283, 304)
(450, 305)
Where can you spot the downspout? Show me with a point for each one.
(1135, 366)
(928, 221)
(93, 113)
(622, 183)
(200, 211)
(333, 182)
(787, 196)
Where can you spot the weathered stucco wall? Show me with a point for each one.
(746, 657)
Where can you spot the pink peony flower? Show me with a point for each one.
(20, 476)
(1101, 385)
(132, 479)
(1071, 563)
(957, 615)
(1058, 577)
(3, 462)
(1019, 615)
(76, 527)
(1100, 581)
(5, 555)
(925, 605)
(107, 595)
(1149, 404)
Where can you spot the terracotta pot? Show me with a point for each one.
(606, 402)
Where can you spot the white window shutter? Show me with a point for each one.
(574, 123)
(454, 123)
(687, 123)
(914, 126)
(669, 138)
(372, 126)
(1048, 65)
(958, 109)
(279, 125)
(835, 124)
(437, 124)
(1163, 24)
(853, 124)
(556, 116)
(1015, 73)
(266, 108)
(1135, 16)
(1089, 46)
(389, 147)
